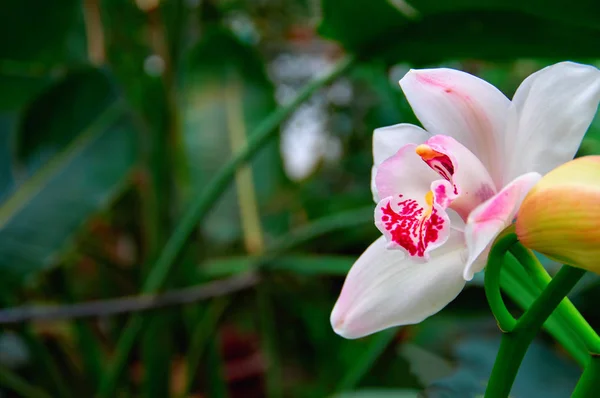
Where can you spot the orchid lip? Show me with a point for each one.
(410, 226)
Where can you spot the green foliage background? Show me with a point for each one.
(118, 116)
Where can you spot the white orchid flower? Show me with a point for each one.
(445, 192)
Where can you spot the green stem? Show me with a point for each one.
(589, 383)
(566, 309)
(506, 322)
(199, 208)
(514, 344)
(568, 326)
(523, 292)
(531, 264)
(580, 326)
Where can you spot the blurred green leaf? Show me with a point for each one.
(21, 82)
(389, 105)
(215, 367)
(138, 54)
(270, 341)
(427, 366)
(365, 361)
(41, 31)
(431, 31)
(226, 94)
(22, 387)
(299, 264)
(203, 329)
(591, 142)
(326, 265)
(13, 351)
(157, 375)
(542, 373)
(133, 40)
(379, 393)
(581, 12)
(56, 117)
(38, 38)
(38, 218)
(7, 127)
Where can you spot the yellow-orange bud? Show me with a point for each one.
(560, 217)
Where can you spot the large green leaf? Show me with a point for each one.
(92, 150)
(225, 88)
(57, 116)
(430, 31)
(18, 87)
(7, 126)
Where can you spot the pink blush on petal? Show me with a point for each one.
(497, 208)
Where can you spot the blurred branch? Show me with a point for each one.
(129, 304)
(45, 363)
(342, 220)
(198, 209)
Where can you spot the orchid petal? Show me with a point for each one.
(491, 217)
(462, 106)
(388, 140)
(386, 288)
(549, 115)
(373, 187)
(456, 221)
(412, 214)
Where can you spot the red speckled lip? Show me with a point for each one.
(412, 227)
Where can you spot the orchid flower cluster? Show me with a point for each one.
(445, 191)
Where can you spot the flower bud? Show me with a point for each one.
(560, 217)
